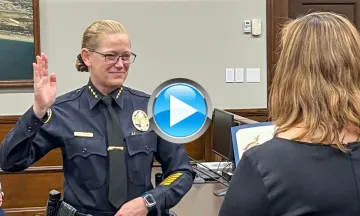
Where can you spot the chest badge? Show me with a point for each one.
(140, 120)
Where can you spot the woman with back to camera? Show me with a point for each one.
(311, 166)
(107, 154)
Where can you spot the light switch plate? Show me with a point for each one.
(230, 75)
(253, 75)
(239, 75)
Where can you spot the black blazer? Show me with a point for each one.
(289, 178)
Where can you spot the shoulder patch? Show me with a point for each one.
(69, 96)
(137, 92)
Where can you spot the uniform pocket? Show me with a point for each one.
(140, 148)
(87, 161)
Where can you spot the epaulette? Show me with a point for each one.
(137, 92)
(69, 96)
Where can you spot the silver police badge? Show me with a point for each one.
(140, 120)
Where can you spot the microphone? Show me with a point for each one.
(53, 203)
(197, 162)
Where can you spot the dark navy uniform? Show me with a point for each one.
(76, 125)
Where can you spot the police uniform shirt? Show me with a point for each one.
(76, 124)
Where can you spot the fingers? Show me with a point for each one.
(44, 62)
(45, 58)
(36, 73)
(40, 68)
(52, 80)
(39, 64)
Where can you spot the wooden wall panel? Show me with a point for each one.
(4, 129)
(53, 158)
(276, 16)
(26, 192)
(260, 115)
(31, 187)
(195, 149)
(36, 211)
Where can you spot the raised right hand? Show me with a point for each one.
(44, 86)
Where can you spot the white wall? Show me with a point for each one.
(194, 39)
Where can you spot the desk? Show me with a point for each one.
(199, 201)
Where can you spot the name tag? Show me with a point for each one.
(112, 148)
(83, 134)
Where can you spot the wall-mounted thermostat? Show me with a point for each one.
(247, 26)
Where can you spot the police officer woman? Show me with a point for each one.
(107, 144)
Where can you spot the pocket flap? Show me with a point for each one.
(85, 147)
(145, 142)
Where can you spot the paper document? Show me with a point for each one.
(247, 136)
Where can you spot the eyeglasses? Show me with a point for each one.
(112, 59)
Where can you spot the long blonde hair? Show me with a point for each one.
(317, 78)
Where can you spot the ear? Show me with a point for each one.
(85, 55)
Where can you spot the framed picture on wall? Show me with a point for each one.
(19, 41)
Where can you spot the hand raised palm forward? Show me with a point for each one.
(44, 86)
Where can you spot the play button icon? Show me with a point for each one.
(180, 110)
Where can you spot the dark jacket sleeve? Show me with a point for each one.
(178, 175)
(2, 213)
(26, 143)
(246, 195)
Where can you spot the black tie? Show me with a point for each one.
(117, 166)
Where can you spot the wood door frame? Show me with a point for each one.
(276, 14)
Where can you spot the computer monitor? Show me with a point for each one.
(221, 138)
(222, 144)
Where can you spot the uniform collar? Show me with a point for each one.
(94, 95)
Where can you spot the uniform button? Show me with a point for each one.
(29, 129)
(35, 122)
(84, 150)
(146, 147)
